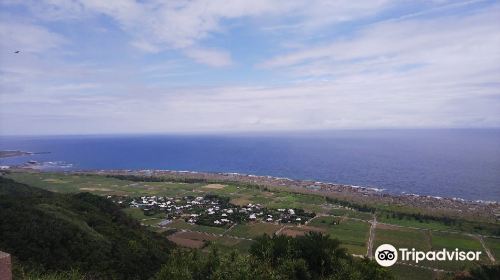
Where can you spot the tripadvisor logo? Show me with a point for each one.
(387, 255)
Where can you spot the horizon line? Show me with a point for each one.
(246, 132)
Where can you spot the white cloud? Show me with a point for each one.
(413, 39)
(27, 38)
(452, 50)
(439, 71)
(166, 25)
(210, 57)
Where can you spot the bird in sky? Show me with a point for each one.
(16, 51)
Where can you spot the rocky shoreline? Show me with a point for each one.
(14, 153)
(361, 195)
(424, 204)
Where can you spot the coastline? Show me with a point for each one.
(14, 153)
(18, 153)
(367, 196)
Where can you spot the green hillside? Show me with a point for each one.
(50, 231)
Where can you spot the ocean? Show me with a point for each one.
(461, 163)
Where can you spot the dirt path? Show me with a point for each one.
(425, 267)
(317, 216)
(212, 234)
(490, 255)
(371, 238)
(428, 238)
(230, 228)
(280, 230)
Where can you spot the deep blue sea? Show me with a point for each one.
(450, 163)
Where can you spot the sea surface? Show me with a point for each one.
(448, 163)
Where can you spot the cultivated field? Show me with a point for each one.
(254, 229)
(352, 233)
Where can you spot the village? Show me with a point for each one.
(210, 210)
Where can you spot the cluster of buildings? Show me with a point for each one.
(357, 194)
(211, 210)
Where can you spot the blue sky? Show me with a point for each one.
(208, 66)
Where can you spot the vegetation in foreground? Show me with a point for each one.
(313, 256)
(46, 231)
(57, 236)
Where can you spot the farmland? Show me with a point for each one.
(252, 230)
(349, 225)
(352, 233)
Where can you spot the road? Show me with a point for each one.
(490, 255)
(369, 251)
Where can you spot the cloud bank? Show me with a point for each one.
(211, 66)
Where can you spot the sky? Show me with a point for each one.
(208, 66)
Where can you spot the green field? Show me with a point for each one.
(181, 224)
(138, 214)
(353, 234)
(451, 241)
(227, 244)
(97, 184)
(412, 273)
(207, 229)
(402, 238)
(494, 246)
(466, 226)
(252, 230)
(410, 222)
(426, 240)
(351, 213)
(68, 183)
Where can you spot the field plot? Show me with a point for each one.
(229, 244)
(351, 213)
(208, 229)
(308, 202)
(252, 230)
(412, 273)
(101, 185)
(180, 224)
(295, 231)
(353, 234)
(451, 241)
(191, 239)
(214, 187)
(402, 238)
(426, 240)
(240, 200)
(138, 214)
(411, 222)
(67, 183)
(209, 241)
(494, 245)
